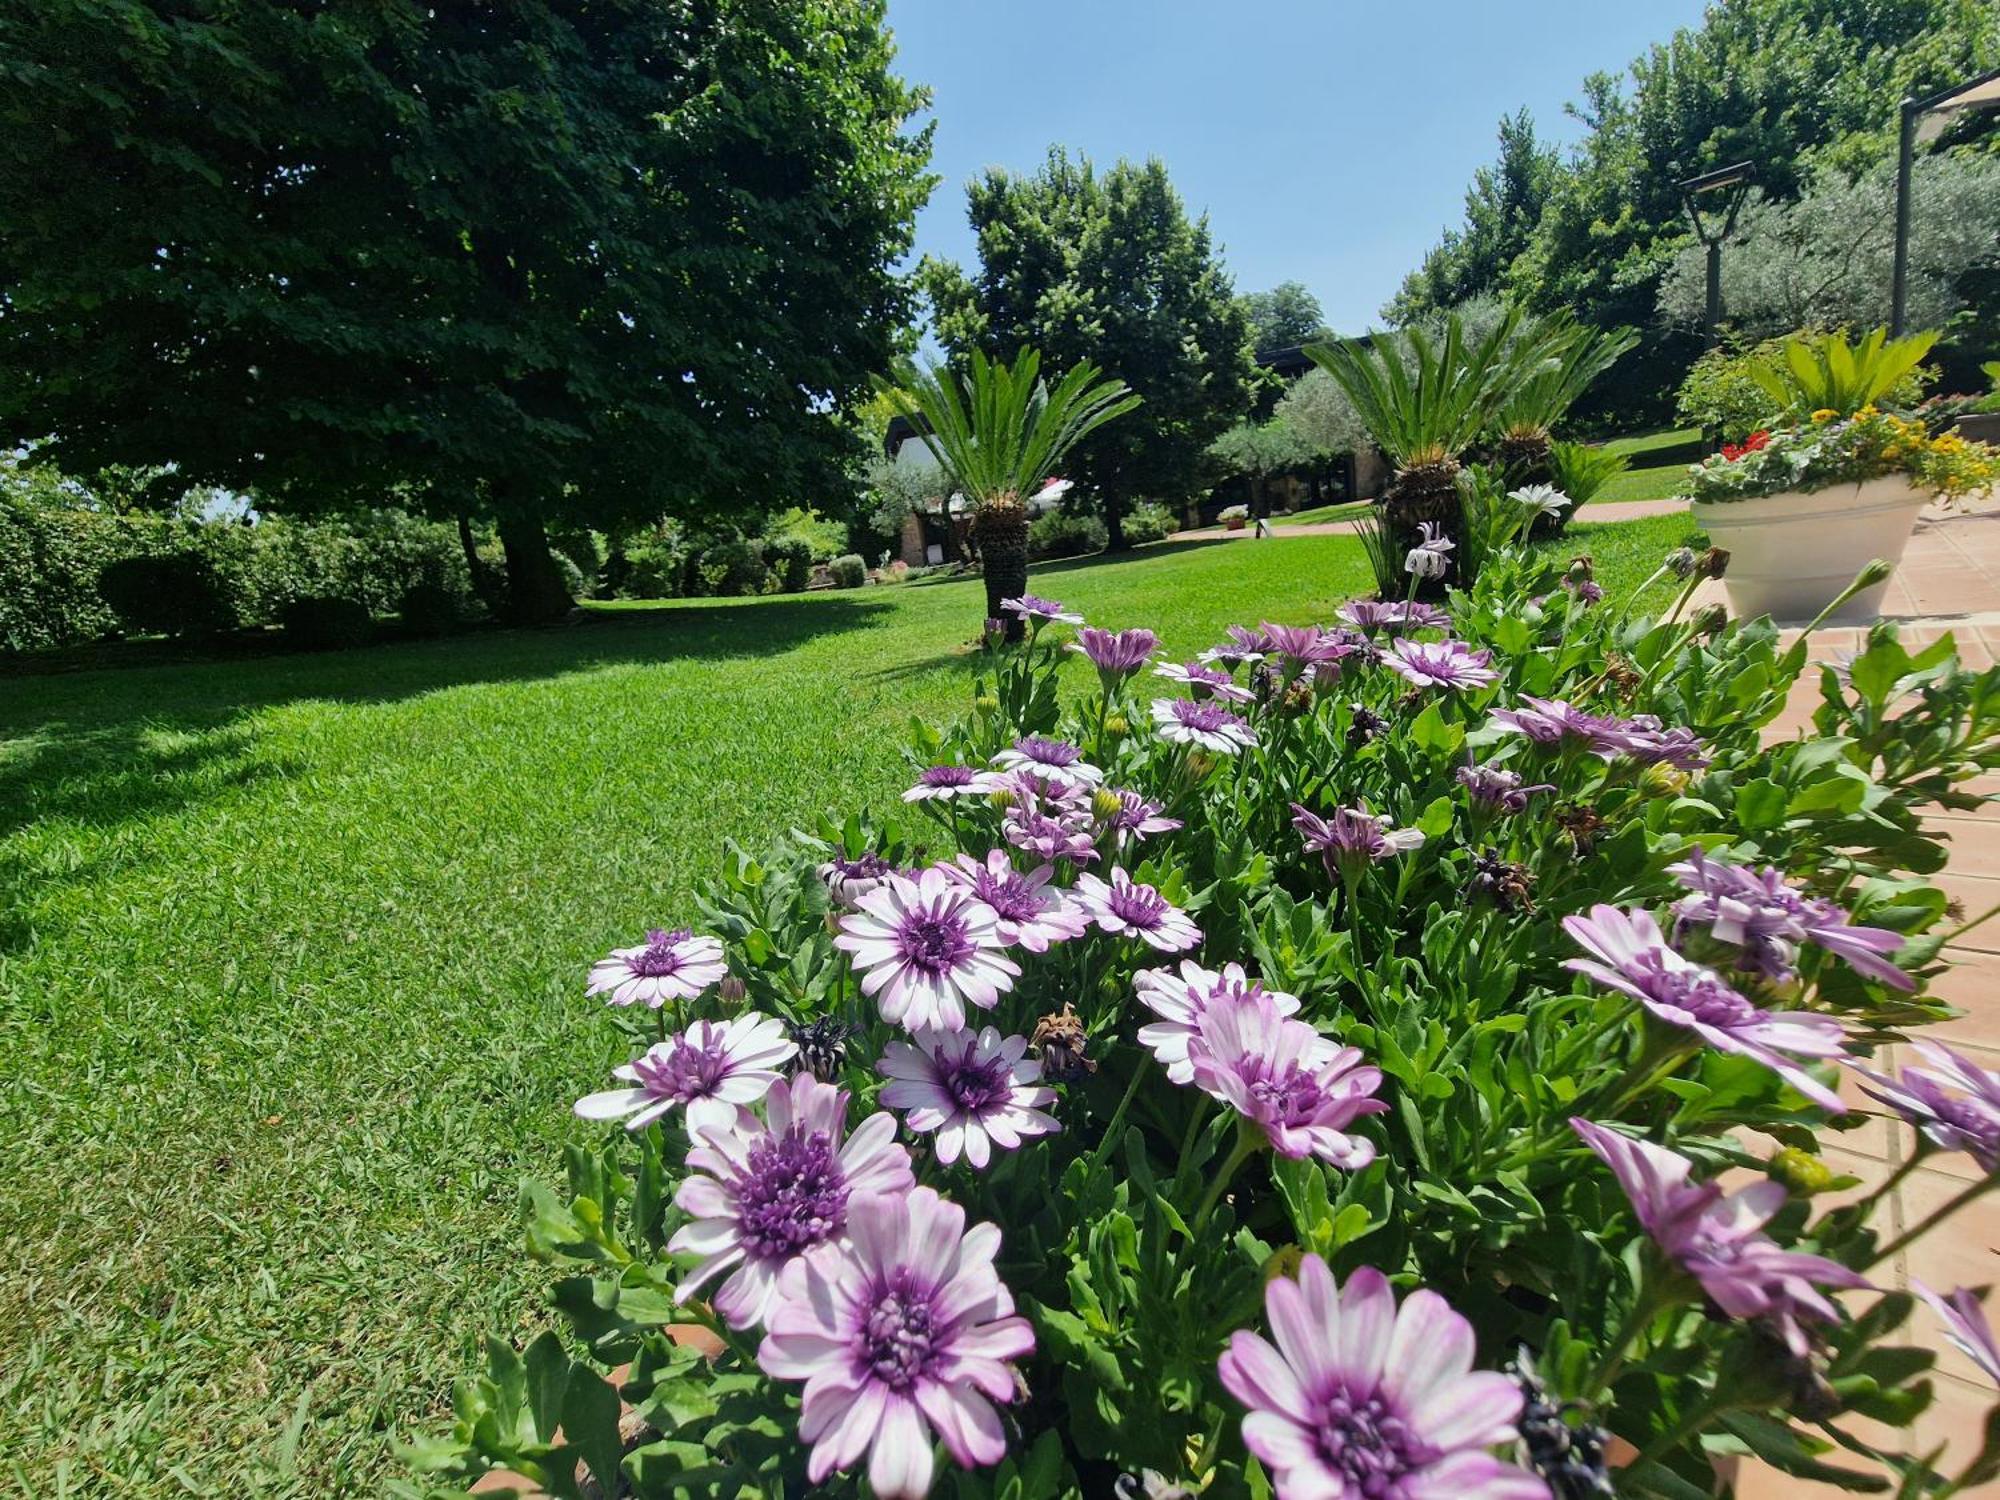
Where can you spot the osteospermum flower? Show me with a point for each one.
(759, 1193)
(975, 1090)
(1719, 1240)
(1755, 910)
(1133, 819)
(1550, 721)
(1353, 838)
(1431, 556)
(1124, 905)
(1179, 998)
(712, 1066)
(1371, 615)
(1644, 739)
(1115, 653)
(1445, 664)
(1054, 761)
(906, 1331)
(1954, 1102)
(1066, 835)
(1204, 681)
(1965, 1325)
(1498, 788)
(1044, 611)
(848, 880)
(938, 782)
(1630, 954)
(1361, 1398)
(674, 965)
(1279, 1074)
(1031, 913)
(1245, 647)
(1182, 721)
(927, 948)
(1541, 499)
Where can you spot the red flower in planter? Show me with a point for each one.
(1756, 440)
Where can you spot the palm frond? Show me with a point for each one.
(1578, 354)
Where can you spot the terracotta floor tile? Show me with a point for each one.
(1956, 1415)
(1975, 894)
(1972, 983)
(1965, 1250)
(1972, 846)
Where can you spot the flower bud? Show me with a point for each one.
(1284, 1261)
(1663, 780)
(1105, 804)
(732, 991)
(1000, 798)
(1876, 572)
(1800, 1171)
(1709, 621)
(1714, 562)
(1682, 561)
(1117, 725)
(986, 703)
(1200, 763)
(995, 632)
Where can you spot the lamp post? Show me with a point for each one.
(1724, 188)
(1924, 120)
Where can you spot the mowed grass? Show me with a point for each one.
(291, 965)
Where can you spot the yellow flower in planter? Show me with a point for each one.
(1825, 414)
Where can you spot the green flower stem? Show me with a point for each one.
(1865, 1206)
(1951, 1206)
(1697, 1418)
(1652, 1302)
(1247, 1141)
(1110, 1135)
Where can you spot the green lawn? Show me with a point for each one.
(1640, 444)
(291, 963)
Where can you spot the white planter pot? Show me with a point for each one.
(1790, 555)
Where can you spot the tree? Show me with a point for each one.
(1285, 317)
(532, 262)
(1107, 268)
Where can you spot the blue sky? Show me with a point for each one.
(1329, 141)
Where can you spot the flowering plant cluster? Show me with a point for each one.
(1381, 1057)
(1828, 450)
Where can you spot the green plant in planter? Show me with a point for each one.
(999, 432)
(1824, 372)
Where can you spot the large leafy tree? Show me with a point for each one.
(1285, 317)
(546, 261)
(1107, 268)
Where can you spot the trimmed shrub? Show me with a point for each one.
(848, 572)
(652, 572)
(1149, 523)
(790, 559)
(574, 583)
(732, 568)
(1059, 535)
(51, 556)
(430, 609)
(824, 539)
(326, 622)
(177, 593)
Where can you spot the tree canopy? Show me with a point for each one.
(533, 261)
(1285, 317)
(1106, 268)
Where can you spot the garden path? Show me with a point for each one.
(1611, 510)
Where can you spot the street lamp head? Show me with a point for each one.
(1936, 113)
(1721, 192)
(1722, 177)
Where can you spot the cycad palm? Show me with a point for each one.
(998, 433)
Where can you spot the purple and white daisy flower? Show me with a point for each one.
(1279, 1075)
(1246, 646)
(1115, 653)
(1551, 721)
(760, 1193)
(710, 1068)
(1180, 998)
(848, 880)
(1755, 911)
(906, 1330)
(1954, 1102)
(1032, 913)
(1134, 819)
(1431, 556)
(976, 1090)
(1034, 608)
(1446, 664)
(1541, 500)
(1645, 740)
(944, 782)
(1055, 761)
(1305, 646)
(1372, 615)
(1498, 788)
(1124, 905)
(1068, 834)
(1204, 681)
(1630, 954)
(674, 965)
(1719, 1240)
(926, 948)
(1182, 721)
(1965, 1325)
(1361, 1398)
(1353, 838)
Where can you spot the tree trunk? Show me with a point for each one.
(1114, 522)
(1000, 527)
(491, 590)
(536, 593)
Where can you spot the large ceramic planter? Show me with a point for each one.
(1790, 555)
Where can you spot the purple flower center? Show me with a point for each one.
(1364, 1439)
(871, 866)
(1701, 995)
(1207, 717)
(897, 1340)
(1291, 1097)
(1137, 906)
(690, 1073)
(663, 954)
(1010, 895)
(935, 943)
(1048, 752)
(793, 1196)
(978, 1087)
(947, 776)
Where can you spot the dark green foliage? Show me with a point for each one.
(50, 557)
(429, 609)
(737, 567)
(790, 559)
(325, 622)
(543, 262)
(1283, 318)
(849, 572)
(1150, 523)
(1060, 534)
(1107, 268)
(175, 593)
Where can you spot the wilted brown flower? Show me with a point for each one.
(1059, 1040)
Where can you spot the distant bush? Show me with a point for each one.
(732, 568)
(654, 572)
(825, 539)
(1058, 535)
(325, 622)
(1149, 523)
(848, 572)
(430, 609)
(176, 593)
(574, 583)
(790, 559)
(50, 557)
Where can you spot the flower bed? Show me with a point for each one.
(1380, 1059)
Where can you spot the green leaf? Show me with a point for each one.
(1760, 805)
(590, 1425)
